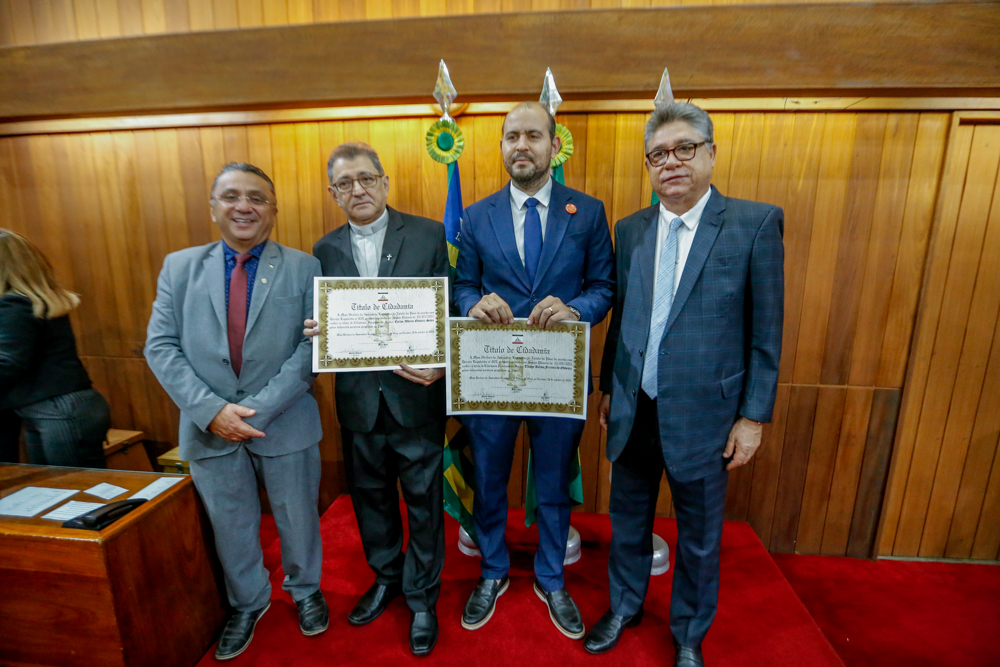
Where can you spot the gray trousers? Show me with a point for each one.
(228, 487)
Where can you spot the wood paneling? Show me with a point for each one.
(939, 498)
(865, 49)
(858, 191)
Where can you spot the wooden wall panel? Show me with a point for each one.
(939, 498)
(26, 22)
(858, 193)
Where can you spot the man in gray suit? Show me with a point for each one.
(689, 374)
(392, 422)
(224, 342)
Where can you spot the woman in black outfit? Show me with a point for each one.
(41, 377)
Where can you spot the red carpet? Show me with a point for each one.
(887, 613)
(760, 621)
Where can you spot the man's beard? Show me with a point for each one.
(528, 175)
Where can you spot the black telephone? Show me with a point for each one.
(104, 516)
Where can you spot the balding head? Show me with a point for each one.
(533, 107)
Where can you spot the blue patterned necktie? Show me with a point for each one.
(661, 308)
(532, 238)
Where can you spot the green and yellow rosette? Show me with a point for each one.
(566, 150)
(445, 142)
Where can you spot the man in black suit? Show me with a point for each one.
(392, 423)
(690, 371)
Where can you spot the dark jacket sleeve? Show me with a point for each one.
(18, 336)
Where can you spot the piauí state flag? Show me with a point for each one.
(459, 474)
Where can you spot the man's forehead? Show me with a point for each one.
(677, 132)
(344, 166)
(242, 180)
(526, 120)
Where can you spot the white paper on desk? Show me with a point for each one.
(105, 490)
(31, 500)
(71, 510)
(154, 489)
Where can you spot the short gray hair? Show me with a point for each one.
(693, 115)
(351, 150)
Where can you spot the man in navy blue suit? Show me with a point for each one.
(689, 374)
(540, 250)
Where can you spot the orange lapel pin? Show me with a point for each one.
(571, 209)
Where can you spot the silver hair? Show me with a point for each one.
(693, 115)
(351, 150)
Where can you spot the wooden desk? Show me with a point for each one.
(123, 450)
(146, 590)
(172, 462)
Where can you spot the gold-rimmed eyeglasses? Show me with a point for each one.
(367, 181)
(683, 152)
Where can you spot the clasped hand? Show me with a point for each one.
(229, 424)
(494, 310)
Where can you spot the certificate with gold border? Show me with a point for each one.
(376, 324)
(517, 369)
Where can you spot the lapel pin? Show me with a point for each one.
(389, 257)
(271, 265)
(570, 208)
(263, 280)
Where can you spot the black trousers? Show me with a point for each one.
(10, 435)
(374, 461)
(699, 505)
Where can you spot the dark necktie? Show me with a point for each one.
(237, 317)
(532, 238)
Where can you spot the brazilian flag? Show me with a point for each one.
(459, 474)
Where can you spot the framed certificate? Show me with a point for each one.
(376, 324)
(517, 369)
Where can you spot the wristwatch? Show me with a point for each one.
(574, 311)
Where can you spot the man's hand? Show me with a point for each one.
(229, 424)
(603, 410)
(424, 376)
(311, 328)
(492, 310)
(550, 310)
(744, 439)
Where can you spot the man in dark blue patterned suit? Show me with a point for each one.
(690, 371)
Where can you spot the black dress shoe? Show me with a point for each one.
(373, 603)
(423, 632)
(562, 611)
(314, 615)
(606, 632)
(685, 656)
(483, 601)
(238, 632)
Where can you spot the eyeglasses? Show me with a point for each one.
(232, 199)
(367, 181)
(684, 152)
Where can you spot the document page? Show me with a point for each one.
(71, 510)
(31, 500)
(154, 489)
(106, 491)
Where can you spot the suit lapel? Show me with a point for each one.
(391, 244)
(341, 241)
(267, 267)
(215, 272)
(704, 239)
(503, 226)
(555, 229)
(641, 270)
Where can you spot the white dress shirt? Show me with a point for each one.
(518, 210)
(366, 244)
(685, 236)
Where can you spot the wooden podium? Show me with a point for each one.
(146, 590)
